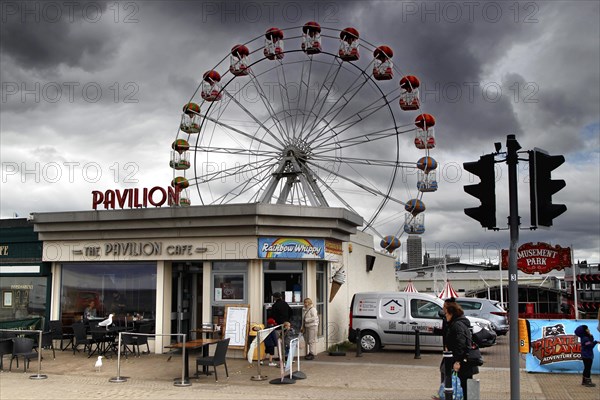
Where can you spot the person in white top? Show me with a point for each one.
(310, 323)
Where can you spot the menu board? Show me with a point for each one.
(236, 325)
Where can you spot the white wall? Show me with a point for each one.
(381, 278)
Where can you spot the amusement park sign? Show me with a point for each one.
(539, 257)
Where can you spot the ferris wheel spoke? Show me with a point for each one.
(363, 138)
(233, 171)
(253, 137)
(285, 99)
(351, 89)
(354, 119)
(317, 99)
(363, 161)
(239, 131)
(268, 106)
(236, 151)
(241, 189)
(369, 189)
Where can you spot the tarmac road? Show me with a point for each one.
(393, 373)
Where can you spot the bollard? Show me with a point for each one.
(473, 389)
(448, 361)
(358, 346)
(417, 345)
(118, 378)
(38, 375)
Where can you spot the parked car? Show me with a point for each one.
(486, 309)
(483, 332)
(391, 318)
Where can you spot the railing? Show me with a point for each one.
(120, 379)
(39, 332)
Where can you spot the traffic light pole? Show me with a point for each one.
(512, 147)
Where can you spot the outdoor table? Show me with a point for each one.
(206, 333)
(107, 343)
(189, 346)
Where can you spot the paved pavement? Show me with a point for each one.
(393, 373)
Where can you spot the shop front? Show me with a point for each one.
(24, 279)
(177, 269)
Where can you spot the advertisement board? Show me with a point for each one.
(291, 248)
(555, 347)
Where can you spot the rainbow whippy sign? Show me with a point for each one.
(293, 248)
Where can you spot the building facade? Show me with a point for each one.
(25, 279)
(179, 268)
(414, 251)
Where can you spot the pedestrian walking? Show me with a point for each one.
(587, 353)
(458, 340)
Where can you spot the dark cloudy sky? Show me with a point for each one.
(92, 95)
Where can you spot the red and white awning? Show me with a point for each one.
(411, 288)
(447, 292)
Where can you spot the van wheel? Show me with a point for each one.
(369, 341)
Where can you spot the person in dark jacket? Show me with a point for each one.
(443, 331)
(458, 340)
(587, 353)
(280, 311)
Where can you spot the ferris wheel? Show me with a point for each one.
(323, 121)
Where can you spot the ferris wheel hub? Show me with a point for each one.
(299, 149)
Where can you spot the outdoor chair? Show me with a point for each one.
(6, 347)
(103, 340)
(22, 347)
(129, 340)
(219, 358)
(143, 340)
(80, 338)
(58, 333)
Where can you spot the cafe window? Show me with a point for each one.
(128, 291)
(285, 277)
(23, 297)
(229, 286)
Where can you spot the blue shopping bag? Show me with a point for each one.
(457, 389)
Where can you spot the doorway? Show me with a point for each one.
(186, 301)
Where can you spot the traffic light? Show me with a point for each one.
(542, 187)
(485, 191)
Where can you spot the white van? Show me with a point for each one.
(386, 318)
(391, 318)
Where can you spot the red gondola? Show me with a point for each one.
(211, 87)
(238, 61)
(409, 95)
(311, 38)
(383, 69)
(425, 136)
(273, 44)
(349, 44)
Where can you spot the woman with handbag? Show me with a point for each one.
(458, 341)
(310, 323)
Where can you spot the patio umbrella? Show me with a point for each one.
(410, 288)
(447, 292)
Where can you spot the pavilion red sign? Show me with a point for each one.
(539, 257)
